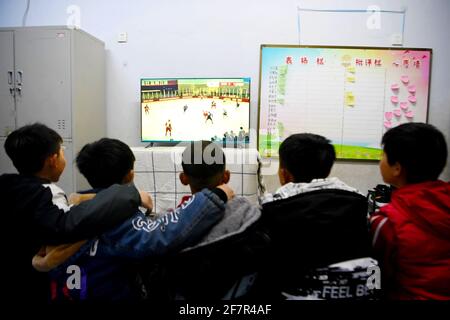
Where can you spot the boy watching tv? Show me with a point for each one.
(411, 234)
(313, 222)
(106, 262)
(40, 211)
(204, 166)
(226, 255)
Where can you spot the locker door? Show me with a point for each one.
(6, 165)
(66, 181)
(43, 88)
(7, 113)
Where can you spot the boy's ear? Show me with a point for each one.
(399, 175)
(51, 160)
(399, 172)
(129, 177)
(184, 179)
(226, 176)
(285, 176)
(397, 169)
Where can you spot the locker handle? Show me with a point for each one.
(10, 77)
(19, 78)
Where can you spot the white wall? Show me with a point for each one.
(211, 38)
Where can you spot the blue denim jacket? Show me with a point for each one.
(103, 268)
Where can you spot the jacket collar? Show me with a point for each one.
(292, 189)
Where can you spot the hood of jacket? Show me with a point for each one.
(239, 215)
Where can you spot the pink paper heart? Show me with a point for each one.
(395, 86)
(397, 112)
(412, 99)
(404, 105)
(394, 99)
(409, 114)
(405, 79)
(387, 124)
(388, 115)
(412, 88)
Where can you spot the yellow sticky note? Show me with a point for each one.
(350, 78)
(351, 69)
(349, 99)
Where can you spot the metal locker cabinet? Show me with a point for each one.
(7, 109)
(59, 80)
(42, 60)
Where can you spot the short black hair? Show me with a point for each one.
(419, 148)
(203, 162)
(307, 156)
(105, 162)
(29, 146)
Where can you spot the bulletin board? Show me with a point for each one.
(350, 95)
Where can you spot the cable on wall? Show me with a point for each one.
(25, 15)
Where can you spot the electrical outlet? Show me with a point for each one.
(122, 37)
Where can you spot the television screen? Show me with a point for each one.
(188, 109)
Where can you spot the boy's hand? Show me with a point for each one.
(76, 198)
(228, 191)
(146, 201)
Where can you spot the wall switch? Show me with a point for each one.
(122, 37)
(397, 39)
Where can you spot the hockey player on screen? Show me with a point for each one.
(168, 127)
(241, 135)
(185, 107)
(209, 117)
(146, 109)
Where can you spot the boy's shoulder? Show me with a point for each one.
(431, 196)
(14, 186)
(293, 189)
(15, 178)
(240, 206)
(239, 215)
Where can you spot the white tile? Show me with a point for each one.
(164, 161)
(236, 183)
(144, 181)
(250, 184)
(143, 160)
(165, 182)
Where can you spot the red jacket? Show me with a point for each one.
(411, 236)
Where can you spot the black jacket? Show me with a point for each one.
(30, 220)
(309, 231)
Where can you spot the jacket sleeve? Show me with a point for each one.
(90, 218)
(141, 237)
(383, 244)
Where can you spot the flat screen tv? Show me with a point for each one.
(189, 109)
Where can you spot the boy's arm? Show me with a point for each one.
(77, 198)
(110, 207)
(142, 237)
(383, 244)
